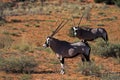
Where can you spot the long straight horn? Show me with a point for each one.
(80, 20)
(73, 21)
(62, 26)
(56, 29)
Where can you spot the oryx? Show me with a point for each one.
(90, 34)
(87, 33)
(64, 49)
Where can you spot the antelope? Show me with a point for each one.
(64, 49)
(87, 33)
(90, 34)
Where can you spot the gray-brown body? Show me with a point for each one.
(67, 50)
(64, 49)
(90, 34)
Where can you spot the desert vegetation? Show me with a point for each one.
(25, 24)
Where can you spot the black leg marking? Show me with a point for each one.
(62, 65)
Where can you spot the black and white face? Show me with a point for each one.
(75, 30)
(47, 42)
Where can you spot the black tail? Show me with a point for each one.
(105, 35)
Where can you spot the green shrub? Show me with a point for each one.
(107, 50)
(117, 2)
(22, 64)
(24, 46)
(90, 69)
(110, 76)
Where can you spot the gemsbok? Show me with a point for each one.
(90, 34)
(64, 49)
(87, 33)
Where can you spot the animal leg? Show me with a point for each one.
(87, 58)
(82, 58)
(62, 65)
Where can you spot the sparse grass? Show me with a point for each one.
(102, 14)
(110, 18)
(15, 34)
(50, 20)
(15, 20)
(6, 32)
(27, 25)
(106, 49)
(14, 28)
(5, 41)
(24, 46)
(88, 69)
(54, 61)
(110, 76)
(18, 64)
(37, 25)
(6, 77)
(69, 79)
(2, 22)
(26, 77)
(117, 60)
(100, 24)
(48, 50)
(23, 29)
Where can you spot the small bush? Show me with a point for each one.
(22, 64)
(107, 50)
(24, 46)
(5, 42)
(90, 69)
(109, 76)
